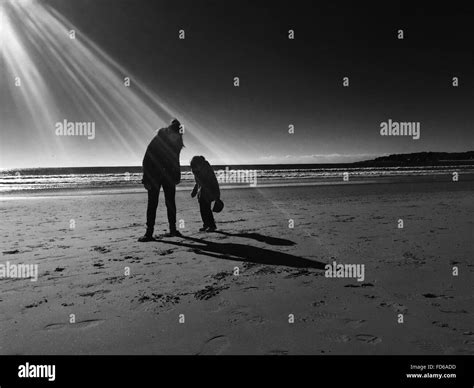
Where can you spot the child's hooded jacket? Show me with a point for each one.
(206, 182)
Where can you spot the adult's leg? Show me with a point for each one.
(153, 196)
(170, 194)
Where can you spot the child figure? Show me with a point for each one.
(207, 190)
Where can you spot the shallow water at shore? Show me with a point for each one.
(128, 179)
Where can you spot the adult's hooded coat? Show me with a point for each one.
(161, 162)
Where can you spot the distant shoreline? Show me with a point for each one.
(393, 160)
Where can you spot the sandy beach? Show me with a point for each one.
(237, 290)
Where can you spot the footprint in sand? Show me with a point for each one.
(337, 338)
(298, 273)
(248, 265)
(429, 347)
(440, 324)
(359, 285)
(36, 304)
(115, 279)
(434, 296)
(78, 325)
(166, 252)
(245, 314)
(221, 275)
(94, 293)
(12, 252)
(354, 323)
(469, 342)
(215, 345)
(266, 270)
(368, 338)
(100, 249)
(326, 315)
(397, 307)
(209, 292)
(278, 352)
(133, 259)
(370, 296)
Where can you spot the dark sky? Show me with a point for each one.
(298, 81)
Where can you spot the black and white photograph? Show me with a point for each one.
(237, 178)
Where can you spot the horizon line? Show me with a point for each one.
(248, 164)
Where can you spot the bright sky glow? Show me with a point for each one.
(74, 79)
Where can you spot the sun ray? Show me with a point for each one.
(64, 78)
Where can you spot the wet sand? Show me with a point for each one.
(237, 291)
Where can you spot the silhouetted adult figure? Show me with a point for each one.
(161, 169)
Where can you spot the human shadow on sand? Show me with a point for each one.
(260, 237)
(248, 253)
